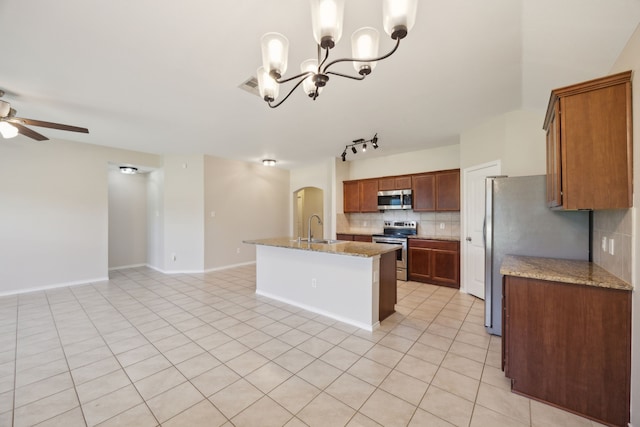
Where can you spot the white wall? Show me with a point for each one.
(183, 213)
(629, 59)
(516, 138)
(250, 201)
(433, 159)
(127, 219)
(54, 212)
(155, 219)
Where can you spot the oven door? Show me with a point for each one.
(401, 255)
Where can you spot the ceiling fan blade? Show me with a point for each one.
(28, 132)
(40, 123)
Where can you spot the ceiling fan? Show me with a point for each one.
(10, 125)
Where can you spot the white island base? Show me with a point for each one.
(345, 288)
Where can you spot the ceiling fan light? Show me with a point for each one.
(5, 108)
(275, 52)
(364, 45)
(267, 86)
(398, 17)
(327, 17)
(7, 130)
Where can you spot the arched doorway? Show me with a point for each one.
(306, 202)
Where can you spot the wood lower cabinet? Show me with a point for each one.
(354, 237)
(435, 261)
(569, 345)
(589, 145)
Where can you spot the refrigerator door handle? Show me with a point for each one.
(487, 229)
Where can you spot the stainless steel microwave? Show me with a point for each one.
(394, 199)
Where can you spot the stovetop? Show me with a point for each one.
(399, 229)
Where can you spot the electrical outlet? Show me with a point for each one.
(611, 246)
(237, 250)
(213, 214)
(604, 243)
(442, 226)
(173, 257)
(314, 283)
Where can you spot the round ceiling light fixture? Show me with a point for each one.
(129, 170)
(269, 162)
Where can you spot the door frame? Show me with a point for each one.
(463, 217)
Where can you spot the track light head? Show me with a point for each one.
(344, 155)
(354, 150)
(364, 147)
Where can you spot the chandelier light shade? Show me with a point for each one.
(326, 18)
(7, 130)
(364, 45)
(399, 16)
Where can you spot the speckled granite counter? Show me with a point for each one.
(561, 270)
(361, 249)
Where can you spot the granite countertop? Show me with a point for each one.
(561, 270)
(341, 247)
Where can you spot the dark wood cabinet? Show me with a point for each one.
(435, 261)
(360, 196)
(569, 345)
(351, 196)
(589, 144)
(394, 183)
(437, 191)
(354, 237)
(369, 195)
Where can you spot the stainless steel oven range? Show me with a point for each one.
(395, 233)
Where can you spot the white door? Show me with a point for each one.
(473, 229)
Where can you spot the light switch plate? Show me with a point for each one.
(604, 243)
(611, 246)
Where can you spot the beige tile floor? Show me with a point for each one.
(147, 349)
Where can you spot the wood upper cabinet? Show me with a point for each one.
(437, 191)
(394, 183)
(589, 144)
(435, 261)
(369, 195)
(360, 196)
(569, 345)
(351, 196)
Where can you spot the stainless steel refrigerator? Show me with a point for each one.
(518, 222)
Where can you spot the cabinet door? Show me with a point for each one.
(385, 184)
(445, 268)
(348, 237)
(351, 196)
(448, 191)
(403, 182)
(369, 195)
(554, 190)
(361, 238)
(419, 264)
(424, 193)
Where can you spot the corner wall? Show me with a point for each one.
(54, 214)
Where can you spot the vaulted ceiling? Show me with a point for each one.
(163, 76)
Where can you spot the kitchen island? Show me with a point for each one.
(353, 282)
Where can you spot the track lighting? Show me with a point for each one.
(355, 142)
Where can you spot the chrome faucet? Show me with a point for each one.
(309, 235)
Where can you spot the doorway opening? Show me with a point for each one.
(307, 201)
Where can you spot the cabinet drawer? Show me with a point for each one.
(433, 244)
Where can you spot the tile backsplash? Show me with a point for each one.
(616, 225)
(433, 224)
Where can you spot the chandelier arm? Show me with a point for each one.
(385, 56)
(346, 75)
(305, 74)
(289, 94)
(326, 56)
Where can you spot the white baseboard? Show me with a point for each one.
(123, 267)
(54, 286)
(226, 267)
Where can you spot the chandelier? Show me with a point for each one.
(326, 15)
